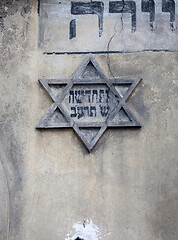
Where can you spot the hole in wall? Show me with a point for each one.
(78, 238)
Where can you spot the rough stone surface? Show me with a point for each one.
(50, 186)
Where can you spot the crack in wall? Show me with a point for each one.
(122, 23)
(108, 57)
(110, 40)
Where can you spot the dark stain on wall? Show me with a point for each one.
(163, 219)
(12, 112)
(10, 7)
(10, 155)
(14, 34)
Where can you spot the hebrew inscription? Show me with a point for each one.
(88, 26)
(89, 103)
(82, 8)
(124, 7)
(168, 6)
(148, 6)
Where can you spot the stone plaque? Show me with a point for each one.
(89, 103)
(107, 26)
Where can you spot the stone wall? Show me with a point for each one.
(51, 187)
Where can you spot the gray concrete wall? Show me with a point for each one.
(50, 186)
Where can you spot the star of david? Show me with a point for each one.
(89, 102)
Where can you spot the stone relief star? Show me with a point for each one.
(89, 102)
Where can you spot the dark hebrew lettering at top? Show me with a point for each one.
(82, 8)
(169, 6)
(124, 7)
(79, 26)
(148, 6)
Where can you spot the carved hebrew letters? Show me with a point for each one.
(90, 102)
(82, 8)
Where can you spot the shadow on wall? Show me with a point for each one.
(163, 219)
(10, 186)
(4, 204)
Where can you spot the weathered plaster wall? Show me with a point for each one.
(127, 186)
(15, 18)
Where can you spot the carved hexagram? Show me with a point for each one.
(88, 75)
